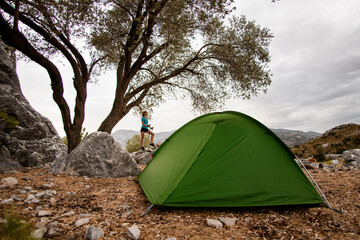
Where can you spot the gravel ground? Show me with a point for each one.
(116, 204)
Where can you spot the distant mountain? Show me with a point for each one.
(289, 137)
(294, 137)
(122, 136)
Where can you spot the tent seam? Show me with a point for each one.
(194, 158)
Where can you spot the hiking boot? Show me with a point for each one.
(142, 148)
(152, 144)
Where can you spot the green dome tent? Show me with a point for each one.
(225, 159)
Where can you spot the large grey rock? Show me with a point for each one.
(35, 141)
(98, 155)
(6, 163)
(351, 155)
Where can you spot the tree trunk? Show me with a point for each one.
(112, 119)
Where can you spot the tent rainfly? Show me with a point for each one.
(225, 159)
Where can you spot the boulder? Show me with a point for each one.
(98, 155)
(33, 141)
(143, 157)
(352, 156)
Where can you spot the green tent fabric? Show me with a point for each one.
(225, 159)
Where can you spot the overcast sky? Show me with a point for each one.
(315, 64)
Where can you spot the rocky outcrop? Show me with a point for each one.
(33, 141)
(347, 160)
(143, 157)
(98, 155)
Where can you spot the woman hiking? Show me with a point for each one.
(145, 129)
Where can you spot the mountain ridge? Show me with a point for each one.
(289, 137)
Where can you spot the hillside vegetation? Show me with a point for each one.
(335, 141)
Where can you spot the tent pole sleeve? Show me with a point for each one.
(322, 194)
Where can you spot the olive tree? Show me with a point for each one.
(193, 49)
(41, 30)
(160, 48)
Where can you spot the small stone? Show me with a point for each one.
(9, 182)
(20, 191)
(214, 223)
(127, 214)
(228, 221)
(171, 238)
(53, 224)
(47, 185)
(52, 232)
(87, 187)
(133, 232)
(49, 179)
(40, 195)
(38, 233)
(85, 215)
(17, 198)
(40, 225)
(124, 206)
(28, 189)
(43, 213)
(53, 201)
(93, 233)
(39, 208)
(32, 199)
(8, 201)
(81, 222)
(70, 213)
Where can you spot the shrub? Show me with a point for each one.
(133, 144)
(83, 135)
(11, 121)
(15, 228)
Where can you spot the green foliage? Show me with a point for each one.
(83, 135)
(133, 144)
(15, 228)
(320, 153)
(65, 141)
(183, 49)
(11, 121)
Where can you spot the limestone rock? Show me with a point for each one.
(81, 222)
(34, 142)
(43, 213)
(214, 223)
(9, 182)
(93, 233)
(143, 157)
(8, 201)
(228, 221)
(38, 233)
(133, 232)
(98, 155)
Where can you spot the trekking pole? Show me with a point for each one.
(318, 188)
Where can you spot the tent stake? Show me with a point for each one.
(322, 194)
(147, 210)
